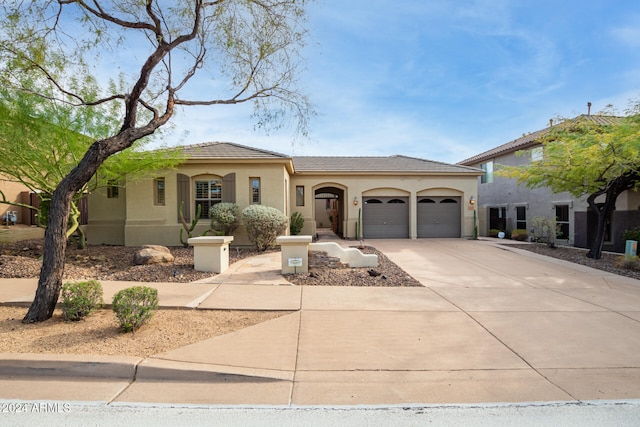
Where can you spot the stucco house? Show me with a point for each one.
(505, 205)
(359, 197)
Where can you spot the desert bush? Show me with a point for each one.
(544, 230)
(494, 232)
(79, 299)
(264, 224)
(629, 262)
(134, 306)
(632, 234)
(519, 234)
(225, 218)
(296, 223)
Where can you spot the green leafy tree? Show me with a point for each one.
(244, 51)
(593, 156)
(41, 142)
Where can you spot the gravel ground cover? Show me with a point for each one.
(609, 262)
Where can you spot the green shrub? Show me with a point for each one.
(494, 232)
(225, 218)
(264, 224)
(545, 230)
(80, 299)
(296, 223)
(632, 234)
(629, 262)
(519, 234)
(134, 306)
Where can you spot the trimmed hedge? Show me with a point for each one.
(79, 299)
(134, 306)
(264, 224)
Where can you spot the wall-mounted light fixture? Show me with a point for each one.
(472, 200)
(355, 201)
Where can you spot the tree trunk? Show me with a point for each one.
(611, 193)
(595, 251)
(52, 270)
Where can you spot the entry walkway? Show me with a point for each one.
(491, 324)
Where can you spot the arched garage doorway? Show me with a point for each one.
(439, 216)
(329, 208)
(385, 218)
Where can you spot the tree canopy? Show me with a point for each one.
(147, 57)
(40, 144)
(593, 156)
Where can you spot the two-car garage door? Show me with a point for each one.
(388, 217)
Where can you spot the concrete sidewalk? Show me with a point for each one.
(492, 324)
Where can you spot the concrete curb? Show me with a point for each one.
(68, 365)
(154, 369)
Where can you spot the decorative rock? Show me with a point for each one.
(152, 254)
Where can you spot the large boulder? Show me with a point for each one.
(152, 254)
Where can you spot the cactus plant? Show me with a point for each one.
(188, 228)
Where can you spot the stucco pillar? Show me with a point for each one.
(295, 253)
(211, 253)
(413, 215)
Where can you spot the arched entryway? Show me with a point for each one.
(329, 208)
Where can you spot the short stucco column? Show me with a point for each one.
(295, 253)
(210, 253)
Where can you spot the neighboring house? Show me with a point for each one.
(390, 197)
(15, 192)
(506, 206)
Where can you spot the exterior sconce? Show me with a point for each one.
(355, 201)
(472, 200)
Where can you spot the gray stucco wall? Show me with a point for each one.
(538, 202)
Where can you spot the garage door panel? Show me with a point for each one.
(439, 217)
(385, 218)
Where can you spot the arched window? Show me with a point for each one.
(372, 201)
(396, 201)
(427, 201)
(448, 201)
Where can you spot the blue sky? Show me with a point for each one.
(444, 79)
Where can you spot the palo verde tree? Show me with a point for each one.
(42, 140)
(597, 157)
(237, 51)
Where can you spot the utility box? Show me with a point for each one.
(631, 248)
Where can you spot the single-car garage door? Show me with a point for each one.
(385, 218)
(439, 216)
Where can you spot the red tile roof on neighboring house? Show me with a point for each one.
(531, 139)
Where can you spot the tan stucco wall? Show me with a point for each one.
(133, 220)
(146, 223)
(106, 217)
(15, 193)
(387, 185)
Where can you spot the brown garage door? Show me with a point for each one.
(439, 217)
(385, 218)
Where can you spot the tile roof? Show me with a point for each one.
(531, 139)
(392, 164)
(228, 150)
